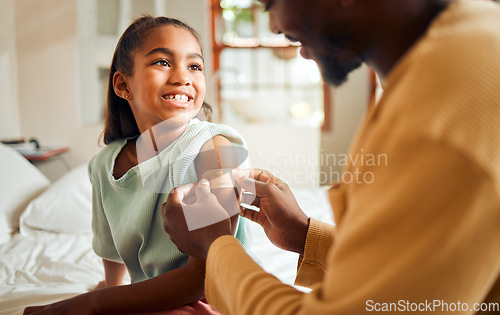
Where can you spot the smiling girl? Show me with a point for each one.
(155, 142)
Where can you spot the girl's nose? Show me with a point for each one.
(179, 76)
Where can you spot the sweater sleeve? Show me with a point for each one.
(236, 284)
(311, 271)
(408, 244)
(312, 264)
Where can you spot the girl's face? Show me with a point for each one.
(167, 81)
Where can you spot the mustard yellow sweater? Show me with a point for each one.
(421, 229)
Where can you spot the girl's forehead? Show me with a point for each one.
(171, 35)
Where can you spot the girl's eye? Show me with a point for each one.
(195, 67)
(163, 63)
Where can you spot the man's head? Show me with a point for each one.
(325, 35)
(342, 34)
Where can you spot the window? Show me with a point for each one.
(261, 76)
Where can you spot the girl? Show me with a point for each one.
(154, 143)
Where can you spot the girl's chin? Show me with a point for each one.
(178, 119)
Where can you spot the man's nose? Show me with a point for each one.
(273, 25)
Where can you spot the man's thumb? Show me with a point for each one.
(203, 188)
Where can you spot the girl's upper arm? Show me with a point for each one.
(219, 153)
(216, 153)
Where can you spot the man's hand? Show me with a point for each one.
(281, 217)
(193, 218)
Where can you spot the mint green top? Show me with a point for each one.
(126, 212)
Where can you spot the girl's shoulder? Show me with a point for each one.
(203, 131)
(104, 159)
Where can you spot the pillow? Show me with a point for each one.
(20, 182)
(66, 206)
(4, 236)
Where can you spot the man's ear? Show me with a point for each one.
(120, 86)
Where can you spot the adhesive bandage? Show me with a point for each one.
(220, 178)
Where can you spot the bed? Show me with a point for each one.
(45, 236)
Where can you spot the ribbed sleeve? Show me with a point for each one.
(312, 265)
(236, 284)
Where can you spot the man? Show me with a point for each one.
(425, 233)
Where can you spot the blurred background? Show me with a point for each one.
(54, 64)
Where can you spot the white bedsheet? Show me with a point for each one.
(47, 267)
(281, 263)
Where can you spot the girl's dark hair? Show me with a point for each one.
(119, 120)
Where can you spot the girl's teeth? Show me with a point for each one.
(177, 97)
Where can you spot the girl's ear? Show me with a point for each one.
(120, 86)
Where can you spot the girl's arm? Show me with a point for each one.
(113, 273)
(218, 153)
(175, 288)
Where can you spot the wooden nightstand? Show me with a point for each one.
(48, 159)
(43, 153)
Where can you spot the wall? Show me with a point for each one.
(288, 151)
(48, 77)
(9, 113)
(46, 73)
(350, 103)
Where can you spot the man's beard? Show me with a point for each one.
(335, 71)
(335, 43)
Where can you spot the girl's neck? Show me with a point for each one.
(163, 134)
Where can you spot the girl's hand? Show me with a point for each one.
(100, 285)
(78, 305)
(194, 226)
(280, 215)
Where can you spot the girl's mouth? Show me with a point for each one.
(178, 100)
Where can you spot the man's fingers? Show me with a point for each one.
(250, 199)
(257, 174)
(178, 194)
(203, 188)
(246, 180)
(176, 201)
(252, 215)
